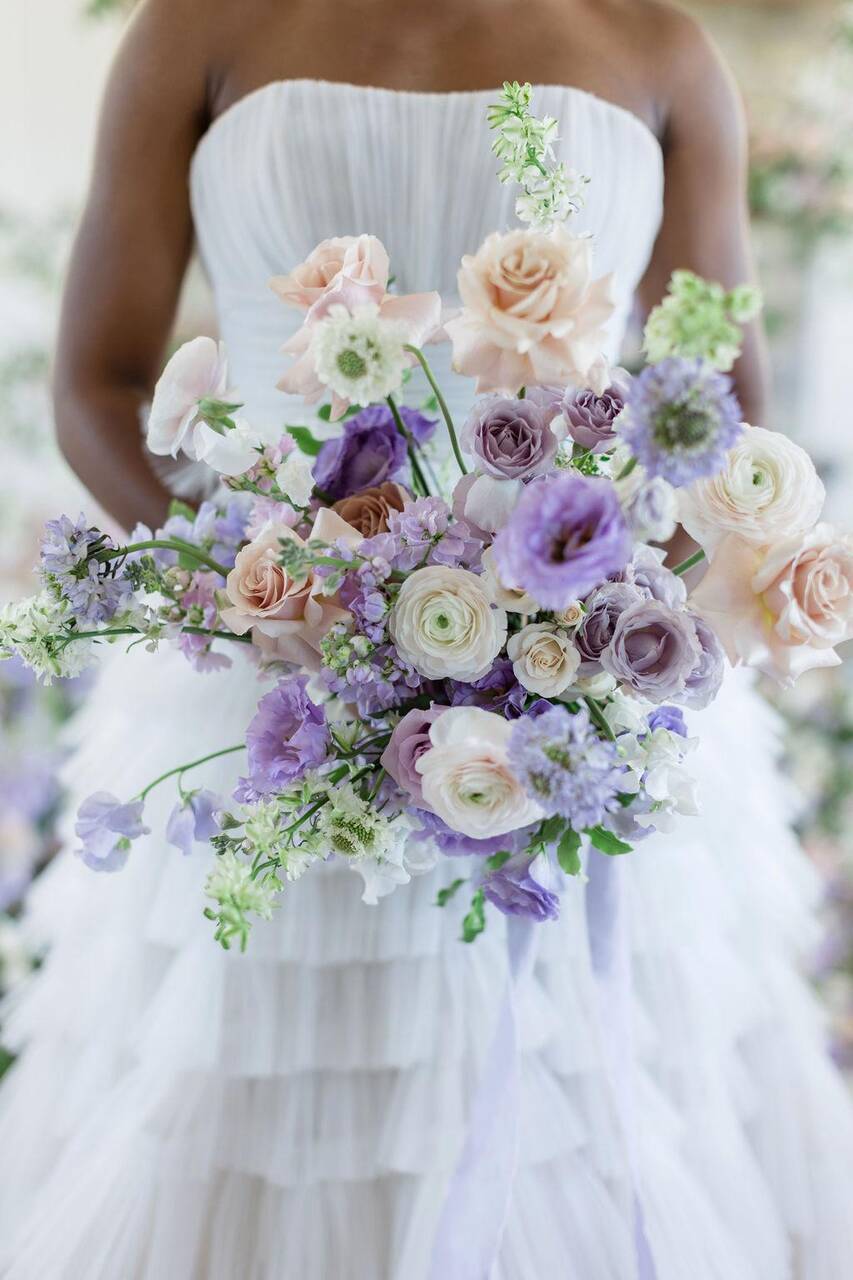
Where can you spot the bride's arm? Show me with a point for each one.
(705, 225)
(129, 259)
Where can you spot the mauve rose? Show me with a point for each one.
(603, 609)
(590, 418)
(409, 741)
(647, 573)
(368, 510)
(509, 439)
(703, 683)
(653, 650)
(370, 452)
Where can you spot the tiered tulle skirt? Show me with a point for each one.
(179, 1113)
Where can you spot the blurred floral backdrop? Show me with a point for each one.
(794, 62)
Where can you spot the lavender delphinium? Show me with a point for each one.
(515, 891)
(287, 736)
(95, 591)
(590, 418)
(566, 766)
(566, 536)
(681, 418)
(106, 828)
(369, 452)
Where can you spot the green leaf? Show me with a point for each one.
(444, 895)
(607, 842)
(568, 852)
(475, 921)
(307, 442)
(324, 413)
(497, 860)
(551, 828)
(178, 508)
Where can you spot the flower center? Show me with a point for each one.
(678, 426)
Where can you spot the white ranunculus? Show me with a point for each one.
(444, 624)
(543, 658)
(509, 598)
(231, 451)
(467, 779)
(768, 490)
(295, 478)
(197, 371)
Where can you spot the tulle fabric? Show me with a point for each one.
(184, 1114)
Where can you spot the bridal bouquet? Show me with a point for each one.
(498, 670)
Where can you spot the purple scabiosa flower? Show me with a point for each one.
(591, 418)
(653, 650)
(106, 828)
(514, 891)
(369, 452)
(192, 820)
(199, 604)
(425, 532)
(498, 691)
(602, 611)
(509, 439)
(649, 576)
(287, 736)
(703, 683)
(565, 537)
(95, 591)
(566, 766)
(668, 717)
(680, 420)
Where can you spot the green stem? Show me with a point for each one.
(598, 718)
(134, 631)
(184, 768)
(417, 472)
(689, 563)
(442, 404)
(168, 544)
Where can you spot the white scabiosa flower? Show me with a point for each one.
(359, 355)
(371, 843)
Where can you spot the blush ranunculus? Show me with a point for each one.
(531, 313)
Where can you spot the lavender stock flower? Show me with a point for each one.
(425, 532)
(369, 452)
(106, 828)
(566, 766)
(565, 537)
(514, 891)
(287, 736)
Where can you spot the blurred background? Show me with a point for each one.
(794, 62)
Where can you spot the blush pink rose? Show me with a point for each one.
(363, 259)
(531, 312)
(781, 609)
(287, 616)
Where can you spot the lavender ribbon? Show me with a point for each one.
(475, 1210)
(610, 951)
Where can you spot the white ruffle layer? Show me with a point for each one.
(180, 1112)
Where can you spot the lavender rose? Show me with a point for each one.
(703, 683)
(566, 536)
(603, 610)
(510, 439)
(590, 418)
(653, 650)
(287, 736)
(514, 891)
(409, 741)
(650, 577)
(370, 451)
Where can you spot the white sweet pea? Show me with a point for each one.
(229, 450)
(197, 371)
(627, 715)
(295, 478)
(490, 502)
(656, 762)
(600, 685)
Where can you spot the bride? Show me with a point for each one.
(178, 1112)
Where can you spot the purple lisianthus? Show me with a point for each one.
(602, 611)
(498, 691)
(514, 891)
(668, 717)
(565, 537)
(455, 845)
(647, 573)
(653, 650)
(192, 820)
(565, 765)
(591, 418)
(106, 828)
(409, 740)
(419, 426)
(509, 439)
(287, 736)
(703, 683)
(370, 451)
(680, 420)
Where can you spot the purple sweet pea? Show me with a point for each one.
(566, 536)
(703, 683)
(370, 451)
(668, 717)
(591, 418)
(106, 828)
(192, 820)
(287, 736)
(603, 610)
(409, 741)
(514, 891)
(653, 650)
(510, 439)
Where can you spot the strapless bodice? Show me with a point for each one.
(297, 161)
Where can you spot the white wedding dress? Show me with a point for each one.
(294, 1113)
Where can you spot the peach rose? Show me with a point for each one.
(532, 314)
(289, 616)
(781, 609)
(368, 511)
(360, 258)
